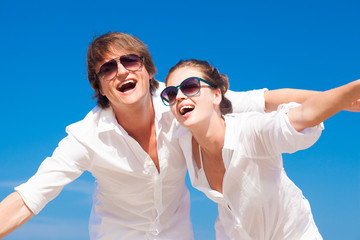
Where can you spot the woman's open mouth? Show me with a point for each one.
(185, 109)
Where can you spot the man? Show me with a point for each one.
(126, 143)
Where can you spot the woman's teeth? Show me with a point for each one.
(186, 109)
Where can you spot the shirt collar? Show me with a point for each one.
(107, 120)
(159, 106)
(181, 131)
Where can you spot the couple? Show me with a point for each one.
(134, 148)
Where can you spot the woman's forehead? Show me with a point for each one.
(185, 72)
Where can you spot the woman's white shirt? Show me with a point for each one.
(258, 201)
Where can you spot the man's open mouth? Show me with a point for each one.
(127, 86)
(186, 109)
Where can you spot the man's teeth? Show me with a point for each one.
(126, 82)
(186, 109)
(127, 85)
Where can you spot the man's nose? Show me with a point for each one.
(121, 69)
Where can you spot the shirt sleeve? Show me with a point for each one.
(272, 133)
(69, 160)
(250, 101)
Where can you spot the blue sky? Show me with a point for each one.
(273, 44)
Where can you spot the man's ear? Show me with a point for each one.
(100, 91)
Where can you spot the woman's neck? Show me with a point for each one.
(208, 156)
(210, 135)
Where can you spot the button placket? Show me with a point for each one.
(158, 193)
(156, 227)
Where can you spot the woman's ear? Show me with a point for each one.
(217, 96)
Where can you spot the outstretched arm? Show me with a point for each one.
(321, 106)
(274, 98)
(13, 214)
(354, 106)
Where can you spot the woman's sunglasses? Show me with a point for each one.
(109, 70)
(189, 87)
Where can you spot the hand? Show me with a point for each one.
(354, 107)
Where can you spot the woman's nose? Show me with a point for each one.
(180, 94)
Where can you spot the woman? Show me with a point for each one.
(236, 159)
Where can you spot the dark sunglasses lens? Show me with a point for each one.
(108, 70)
(190, 86)
(169, 95)
(131, 62)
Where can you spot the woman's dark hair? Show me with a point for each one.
(211, 75)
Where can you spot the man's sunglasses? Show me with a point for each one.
(109, 70)
(189, 87)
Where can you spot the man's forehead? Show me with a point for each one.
(111, 53)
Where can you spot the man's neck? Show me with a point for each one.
(137, 118)
(139, 122)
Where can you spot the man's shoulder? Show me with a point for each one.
(88, 124)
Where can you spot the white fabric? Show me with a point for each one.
(250, 101)
(259, 201)
(131, 199)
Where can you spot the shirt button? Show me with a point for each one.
(155, 231)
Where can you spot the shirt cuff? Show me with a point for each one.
(35, 204)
